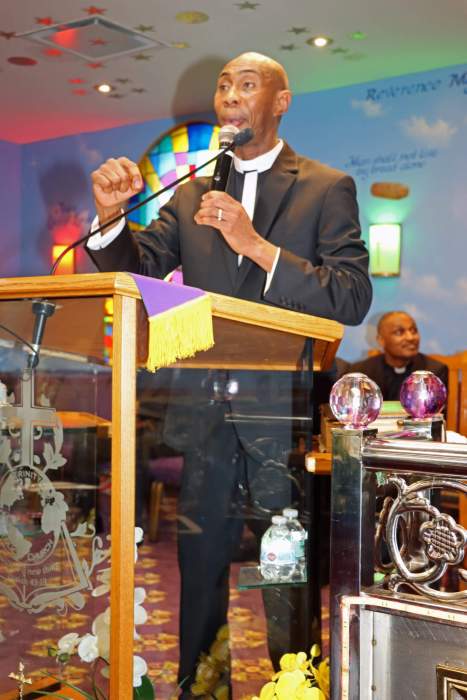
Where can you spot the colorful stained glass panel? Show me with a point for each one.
(173, 155)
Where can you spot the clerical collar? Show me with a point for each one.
(260, 163)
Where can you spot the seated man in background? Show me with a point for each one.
(399, 339)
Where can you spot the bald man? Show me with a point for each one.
(399, 340)
(285, 232)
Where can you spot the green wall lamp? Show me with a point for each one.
(385, 250)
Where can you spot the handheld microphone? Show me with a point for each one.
(224, 162)
(229, 137)
(239, 139)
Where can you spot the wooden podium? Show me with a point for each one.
(247, 336)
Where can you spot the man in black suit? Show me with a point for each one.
(399, 339)
(286, 232)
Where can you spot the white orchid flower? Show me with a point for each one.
(139, 534)
(88, 649)
(141, 615)
(104, 578)
(101, 629)
(68, 643)
(140, 668)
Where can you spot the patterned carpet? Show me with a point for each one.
(159, 639)
(29, 636)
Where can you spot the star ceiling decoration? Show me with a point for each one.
(298, 30)
(247, 5)
(98, 64)
(80, 92)
(145, 28)
(76, 81)
(139, 90)
(92, 10)
(180, 45)
(45, 21)
(99, 42)
(142, 57)
(338, 49)
(22, 61)
(192, 17)
(54, 53)
(288, 47)
(116, 96)
(7, 35)
(122, 81)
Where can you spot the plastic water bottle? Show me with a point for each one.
(277, 562)
(298, 537)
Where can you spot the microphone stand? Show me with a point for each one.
(43, 308)
(242, 137)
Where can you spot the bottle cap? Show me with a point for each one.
(278, 520)
(290, 513)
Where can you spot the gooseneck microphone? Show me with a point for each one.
(239, 139)
(42, 309)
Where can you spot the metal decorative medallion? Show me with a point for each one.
(422, 541)
(40, 564)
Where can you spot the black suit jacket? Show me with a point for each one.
(303, 206)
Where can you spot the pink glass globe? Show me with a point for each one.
(355, 400)
(423, 394)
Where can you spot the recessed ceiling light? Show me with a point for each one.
(319, 41)
(358, 36)
(104, 88)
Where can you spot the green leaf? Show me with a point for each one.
(145, 690)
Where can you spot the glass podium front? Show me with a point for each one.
(204, 452)
(54, 508)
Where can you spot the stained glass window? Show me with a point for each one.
(174, 154)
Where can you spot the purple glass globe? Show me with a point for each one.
(423, 394)
(355, 400)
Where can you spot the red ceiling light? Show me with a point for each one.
(52, 52)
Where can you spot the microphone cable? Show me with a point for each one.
(18, 337)
(239, 139)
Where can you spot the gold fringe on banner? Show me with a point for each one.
(180, 332)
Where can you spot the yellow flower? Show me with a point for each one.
(307, 693)
(268, 692)
(223, 633)
(222, 693)
(220, 649)
(206, 678)
(293, 662)
(315, 651)
(289, 683)
(321, 675)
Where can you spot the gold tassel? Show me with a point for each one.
(180, 332)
